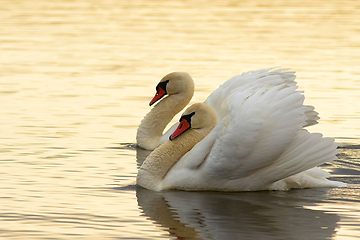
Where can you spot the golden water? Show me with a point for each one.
(75, 81)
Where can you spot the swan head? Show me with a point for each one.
(173, 83)
(199, 117)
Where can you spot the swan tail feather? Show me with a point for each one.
(314, 177)
(307, 151)
(312, 116)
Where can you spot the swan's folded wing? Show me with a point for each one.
(261, 124)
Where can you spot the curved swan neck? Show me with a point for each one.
(161, 160)
(152, 126)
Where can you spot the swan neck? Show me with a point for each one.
(163, 158)
(152, 126)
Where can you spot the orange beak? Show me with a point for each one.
(183, 126)
(159, 94)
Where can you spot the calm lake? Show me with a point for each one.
(76, 78)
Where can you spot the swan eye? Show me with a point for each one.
(183, 126)
(162, 85)
(187, 118)
(160, 92)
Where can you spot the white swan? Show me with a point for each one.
(178, 87)
(258, 145)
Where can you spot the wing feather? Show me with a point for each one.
(221, 97)
(259, 130)
(259, 142)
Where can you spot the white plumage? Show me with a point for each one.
(221, 97)
(259, 142)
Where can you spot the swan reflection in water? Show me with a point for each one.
(237, 215)
(242, 215)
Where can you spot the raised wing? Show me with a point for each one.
(258, 141)
(261, 124)
(220, 100)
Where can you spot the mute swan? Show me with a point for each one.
(258, 145)
(178, 87)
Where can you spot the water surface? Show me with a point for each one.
(75, 81)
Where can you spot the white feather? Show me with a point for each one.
(259, 142)
(222, 96)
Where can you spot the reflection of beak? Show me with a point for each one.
(183, 126)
